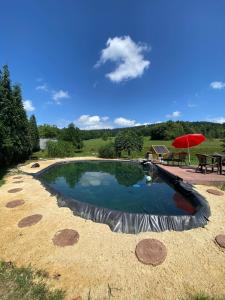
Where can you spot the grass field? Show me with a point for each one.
(24, 283)
(91, 148)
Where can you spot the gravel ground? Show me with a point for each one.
(102, 264)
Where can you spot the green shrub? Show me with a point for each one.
(107, 151)
(60, 149)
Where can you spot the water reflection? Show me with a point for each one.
(122, 186)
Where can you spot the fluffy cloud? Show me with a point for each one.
(128, 57)
(42, 87)
(57, 96)
(174, 115)
(98, 122)
(217, 85)
(217, 120)
(123, 122)
(28, 106)
(92, 122)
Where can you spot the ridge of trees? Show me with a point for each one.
(161, 131)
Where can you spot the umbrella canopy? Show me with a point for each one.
(188, 140)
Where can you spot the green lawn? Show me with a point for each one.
(210, 146)
(91, 148)
(25, 283)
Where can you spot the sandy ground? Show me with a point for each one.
(104, 260)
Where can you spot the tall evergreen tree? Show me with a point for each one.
(35, 140)
(6, 119)
(15, 144)
(20, 127)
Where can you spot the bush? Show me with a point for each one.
(107, 151)
(60, 149)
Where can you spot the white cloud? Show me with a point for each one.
(105, 118)
(92, 122)
(125, 122)
(128, 57)
(57, 96)
(217, 85)
(42, 87)
(174, 115)
(217, 120)
(28, 106)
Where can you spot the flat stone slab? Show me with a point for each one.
(220, 239)
(65, 237)
(15, 203)
(17, 177)
(215, 192)
(16, 190)
(18, 181)
(29, 221)
(151, 252)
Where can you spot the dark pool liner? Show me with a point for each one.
(135, 222)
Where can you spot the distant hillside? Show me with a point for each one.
(165, 131)
(161, 131)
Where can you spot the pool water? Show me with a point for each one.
(121, 186)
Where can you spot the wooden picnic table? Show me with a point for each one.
(220, 158)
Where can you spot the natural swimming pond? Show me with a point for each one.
(119, 186)
(121, 194)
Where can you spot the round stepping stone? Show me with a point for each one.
(17, 177)
(19, 181)
(15, 203)
(16, 190)
(215, 192)
(220, 239)
(65, 237)
(151, 252)
(29, 221)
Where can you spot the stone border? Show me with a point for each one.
(134, 223)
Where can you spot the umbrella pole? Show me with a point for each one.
(189, 156)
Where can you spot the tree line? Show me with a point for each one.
(19, 136)
(161, 131)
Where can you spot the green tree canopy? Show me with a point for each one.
(48, 131)
(128, 140)
(72, 134)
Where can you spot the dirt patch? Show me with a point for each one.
(15, 203)
(65, 237)
(29, 221)
(17, 177)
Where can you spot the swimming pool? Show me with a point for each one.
(127, 196)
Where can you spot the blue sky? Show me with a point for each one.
(116, 63)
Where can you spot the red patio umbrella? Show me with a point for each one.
(188, 141)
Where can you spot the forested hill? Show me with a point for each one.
(161, 131)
